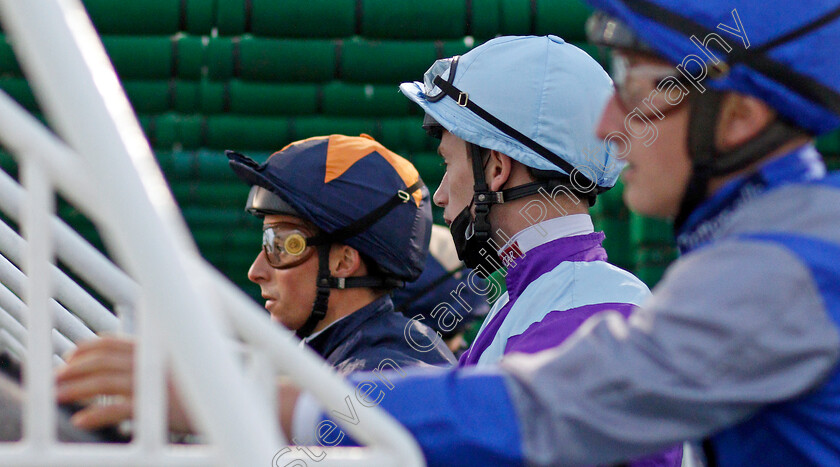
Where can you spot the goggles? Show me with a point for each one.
(606, 31)
(445, 68)
(285, 246)
(653, 89)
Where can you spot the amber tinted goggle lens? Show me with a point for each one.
(285, 248)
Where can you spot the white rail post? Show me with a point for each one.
(72, 75)
(40, 414)
(151, 404)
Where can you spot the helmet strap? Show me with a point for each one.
(708, 161)
(326, 282)
(323, 242)
(322, 297)
(472, 233)
(482, 197)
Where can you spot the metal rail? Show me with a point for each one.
(183, 308)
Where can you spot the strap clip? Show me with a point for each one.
(489, 197)
(463, 99)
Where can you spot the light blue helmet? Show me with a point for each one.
(540, 89)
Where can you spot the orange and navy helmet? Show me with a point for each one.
(356, 191)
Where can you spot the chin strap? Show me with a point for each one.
(322, 297)
(484, 198)
(708, 162)
(326, 281)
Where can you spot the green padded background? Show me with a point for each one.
(255, 75)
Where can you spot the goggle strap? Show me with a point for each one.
(365, 221)
(317, 240)
(812, 26)
(755, 58)
(342, 283)
(464, 101)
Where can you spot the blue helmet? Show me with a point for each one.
(338, 182)
(358, 193)
(782, 54)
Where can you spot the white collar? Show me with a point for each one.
(550, 230)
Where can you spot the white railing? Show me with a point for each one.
(181, 310)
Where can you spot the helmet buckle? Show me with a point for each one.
(463, 99)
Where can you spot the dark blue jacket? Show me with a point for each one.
(374, 334)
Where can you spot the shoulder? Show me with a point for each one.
(738, 276)
(743, 269)
(602, 282)
(391, 339)
(801, 208)
(556, 303)
(578, 284)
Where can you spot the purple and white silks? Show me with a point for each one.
(552, 288)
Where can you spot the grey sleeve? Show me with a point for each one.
(730, 328)
(12, 399)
